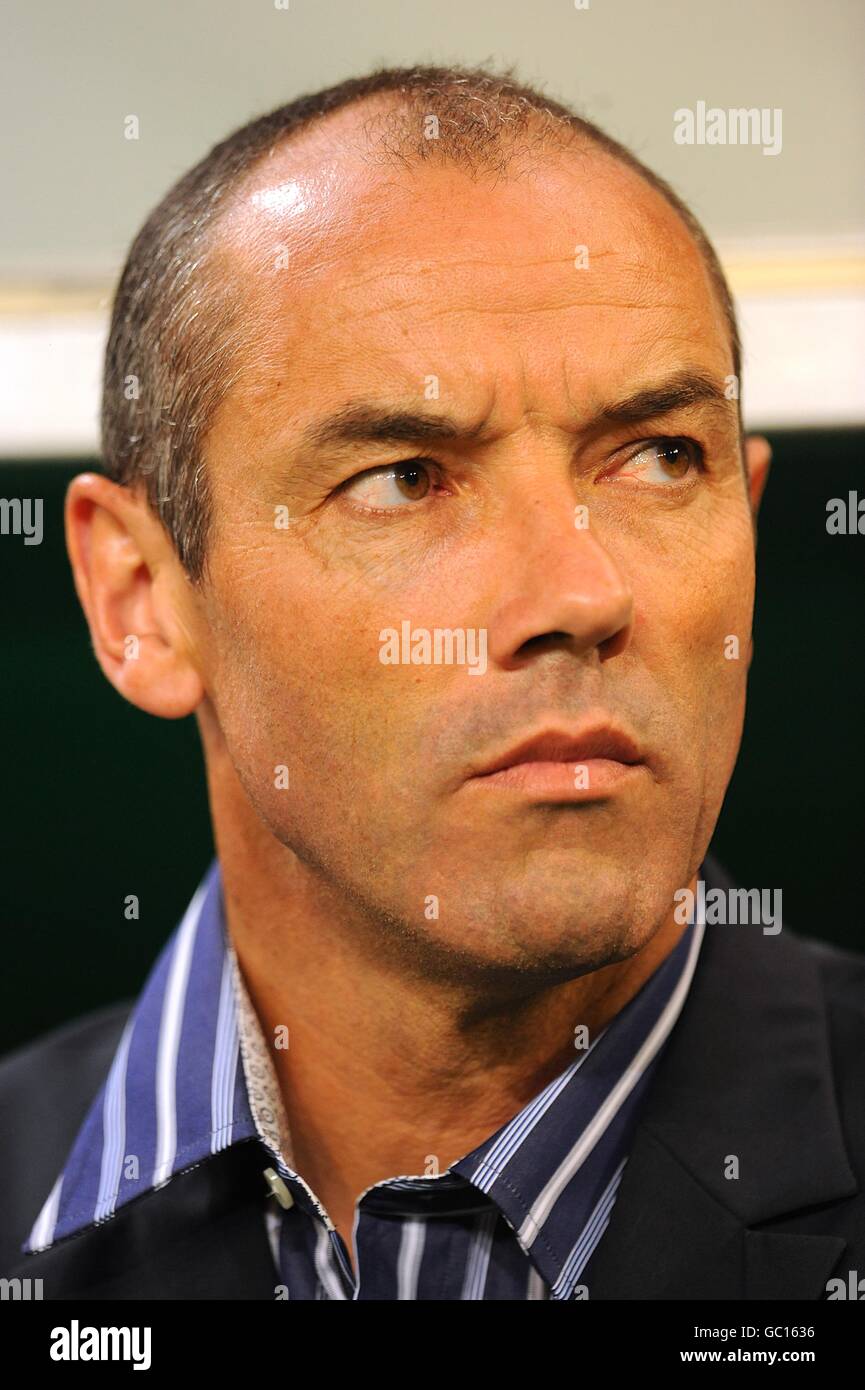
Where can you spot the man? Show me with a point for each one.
(427, 494)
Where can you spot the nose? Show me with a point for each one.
(563, 588)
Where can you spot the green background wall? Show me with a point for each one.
(100, 801)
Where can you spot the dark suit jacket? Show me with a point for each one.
(766, 1063)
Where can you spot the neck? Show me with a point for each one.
(390, 1069)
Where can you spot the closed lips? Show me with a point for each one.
(609, 744)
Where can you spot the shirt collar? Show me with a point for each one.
(554, 1169)
(191, 1076)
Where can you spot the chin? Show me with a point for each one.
(562, 926)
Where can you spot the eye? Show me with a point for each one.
(393, 486)
(664, 461)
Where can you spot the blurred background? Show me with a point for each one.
(99, 800)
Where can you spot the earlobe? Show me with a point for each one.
(122, 563)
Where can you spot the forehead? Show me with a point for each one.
(353, 272)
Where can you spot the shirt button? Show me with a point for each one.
(278, 1188)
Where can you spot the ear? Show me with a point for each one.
(758, 456)
(135, 595)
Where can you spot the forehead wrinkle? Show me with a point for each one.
(371, 422)
(640, 291)
(629, 286)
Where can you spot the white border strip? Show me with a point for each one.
(804, 359)
(804, 366)
(50, 383)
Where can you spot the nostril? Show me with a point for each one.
(615, 645)
(545, 641)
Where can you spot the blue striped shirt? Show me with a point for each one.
(518, 1217)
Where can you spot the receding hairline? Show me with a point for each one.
(179, 323)
(356, 129)
(382, 130)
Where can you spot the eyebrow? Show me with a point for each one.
(679, 391)
(368, 423)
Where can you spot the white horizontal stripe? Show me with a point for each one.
(803, 349)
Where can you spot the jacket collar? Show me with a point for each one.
(741, 1128)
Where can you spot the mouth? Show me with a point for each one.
(557, 765)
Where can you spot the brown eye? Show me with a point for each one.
(677, 455)
(413, 480)
(664, 461)
(390, 488)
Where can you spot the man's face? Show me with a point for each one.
(607, 563)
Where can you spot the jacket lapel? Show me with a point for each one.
(744, 1085)
(670, 1239)
(200, 1236)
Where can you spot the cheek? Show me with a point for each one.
(694, 595)
(300, 680)
(692, 633)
